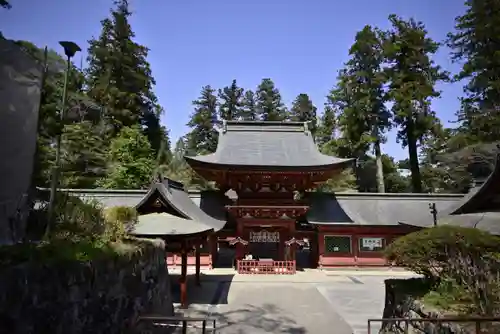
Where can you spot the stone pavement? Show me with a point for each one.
(312, 302)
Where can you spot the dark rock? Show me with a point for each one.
(104, 296)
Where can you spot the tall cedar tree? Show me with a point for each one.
(203, 136)
(230, 104)
(413, 76)
(476, 45)
(270, 106)
(364, 119)
(249, 106)
(119, 77)
(303, 110)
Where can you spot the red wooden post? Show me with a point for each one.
(239, 246)
(198, 264)
(183, 278)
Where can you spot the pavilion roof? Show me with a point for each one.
(261, 144)
(179, 214)
(479, 199)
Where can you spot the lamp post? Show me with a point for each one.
(432, 207)
(70, 49)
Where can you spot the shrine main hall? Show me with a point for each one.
(267, 209)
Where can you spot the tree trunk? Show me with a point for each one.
(416, 180)
(380, 167)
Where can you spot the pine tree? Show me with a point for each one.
(119, 77)
(131, 161)
(413, 76)
(270, 106)
(303, 110)
(326, 127)
(249, 106)
(475, 45)
(230, 106)
(203, 136)
(365, 119)
(83, 155)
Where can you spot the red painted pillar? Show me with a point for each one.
(212, 242)
(240, 250)
(197, 263)
(183, 278)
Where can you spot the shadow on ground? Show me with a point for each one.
(213, 289)
(247, 318)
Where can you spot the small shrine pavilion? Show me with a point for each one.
(167, 212)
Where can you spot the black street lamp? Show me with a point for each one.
(434, 212)
(70, 49)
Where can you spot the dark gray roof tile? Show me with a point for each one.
(375, 209)
(267, 144)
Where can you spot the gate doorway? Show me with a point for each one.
(264, 244)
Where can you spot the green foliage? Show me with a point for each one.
(367, 169)
(249, 106)
(475, 45)
(230, 102)
(119, 77)
(203, 135)
(83, 155)
(359, 99)
(119, 220)
(465, 262)
(346, 180)
(412, 75)
(359, 96)
(5, 4)
(131, 161)
(303, 110)
(82, 232)
(326, 127)
(269, 104)
(428, 251)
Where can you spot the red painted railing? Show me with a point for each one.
(266, 267)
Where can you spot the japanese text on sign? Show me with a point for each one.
(264, 236)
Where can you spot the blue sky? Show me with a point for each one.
(299, 44)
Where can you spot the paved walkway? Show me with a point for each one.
(312, 302)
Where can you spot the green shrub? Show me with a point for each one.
(468, 257)
(77, 220)
(428, 251)
(82, 231)
(119, 220)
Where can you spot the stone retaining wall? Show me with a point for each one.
(104, 296)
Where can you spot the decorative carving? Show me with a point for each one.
(263, 212)
(294, 241)
(238, 240)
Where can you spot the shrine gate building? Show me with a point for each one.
(268, 208)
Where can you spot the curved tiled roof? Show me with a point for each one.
(477, 199)
(267, 144)
(183, 217)
(375, 209)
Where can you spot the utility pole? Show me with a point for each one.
(70, 49)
